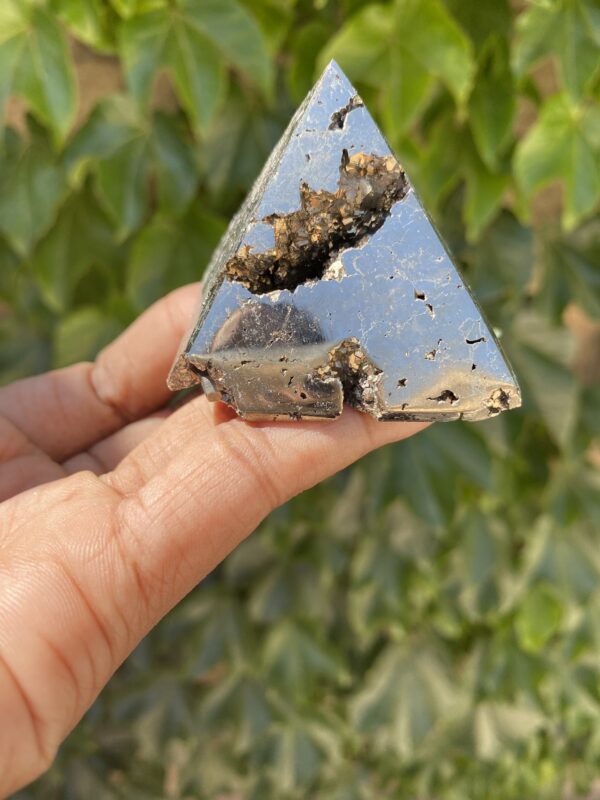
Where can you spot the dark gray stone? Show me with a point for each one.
(331, 283)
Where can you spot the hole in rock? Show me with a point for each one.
(447, 396)
(308, 240)
(338, 118)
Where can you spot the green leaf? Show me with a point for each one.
(408, 87)
(404, 49)
(170, 253)
(125, 152)
(361, 46)
(236, 147)
(540, 355)
(9, 266)
(308, 42)
(482, 21)
(32, 187)
(492, 103)
(91, 21)
(438, 169)
(497, 726)
(563, 145)
(165, 39)
(175, 163)
(82, 334)
(405, 695)
(128, 8)
(435, 40)
(502, 262)
(561, 28)
(236, 34)
(569, 564)
(35, 63)
(296, 661)
(485, 190)
(80, 238)
(296, 759)
(194, 41)
(275, 18)
(539, 617)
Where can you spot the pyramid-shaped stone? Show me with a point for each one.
(332, 283)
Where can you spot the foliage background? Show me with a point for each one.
(426, 624)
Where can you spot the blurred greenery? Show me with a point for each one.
(426, 624)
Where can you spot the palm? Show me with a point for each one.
(117, 509)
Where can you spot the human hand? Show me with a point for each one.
(114, 509)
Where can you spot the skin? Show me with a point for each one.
(113, 508)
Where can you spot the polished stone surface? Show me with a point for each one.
(331, 283)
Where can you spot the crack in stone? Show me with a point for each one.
(338, 118)
(307, 241)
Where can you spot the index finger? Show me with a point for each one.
(68, 410)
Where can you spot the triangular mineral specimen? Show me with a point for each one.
(331, 282)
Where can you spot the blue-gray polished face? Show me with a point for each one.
(390, 322)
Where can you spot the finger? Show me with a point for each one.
(107, 454)
(229, 477)
(66, 411)
(22, 464)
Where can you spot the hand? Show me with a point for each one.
(114, 508)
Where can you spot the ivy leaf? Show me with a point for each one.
(482, 21)
(9, 266)
(82, 334)
(90, 20)
(362, 45)
(236, 147)
(236, 34)
(404, 696)
(175, 163)
(408, 87)
(296, 661)
(485, 189)
(308, 42)
(498, 725)
(80, 238)
(124, 151)
(296, 758)
(502, 262)
(32, 187)
(35, 63)
(563, 145)
(435, 170)
(169, 253)
(562, 28)
(194, 41)
(492, 103)
(570, 565)
(374, 48)
(539, 617)
(428, 31)
(127, 8)
(541, 356)
(162, 39)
